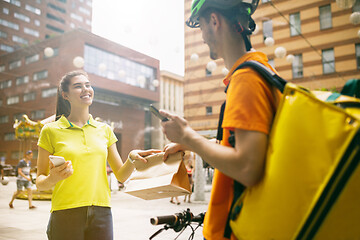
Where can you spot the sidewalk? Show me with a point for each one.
(131, 216)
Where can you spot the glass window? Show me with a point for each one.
(38, 114)
(31, 32)
(357, 53)
(18, 116)
(29, 97)
(272, 63)
(209, 110)
(56, 53)
(356, 7)
(14, 2)
(63, 1)
(85, 11)
(15, 64)
(37, 22)
(6, 48)
(49, 92)
(12, 100)
(328, 61)
(9, 24)
(325, 17)
(4, 119)
(3, 34)
(9, 137)
(6, 11)
(53, 17)
(57, 8)
(295, 24)
(297, 66)
(77, 17)
(33, 9)
(40, 75)
(31, 59)
(20, 40)
(109, 65)
(5, 84)
(22, 80)
(267, 29)
(2, 68)
(59, 30)
(22, 17)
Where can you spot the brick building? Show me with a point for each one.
(324, 45)
(122, 80)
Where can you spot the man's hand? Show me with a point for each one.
(172, 148)
(177, 129)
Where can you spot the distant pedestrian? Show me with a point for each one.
(190, 170)
(24, 179)
(177, 200)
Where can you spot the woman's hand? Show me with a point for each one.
(172, 148)
(61, 172)
(138, 155)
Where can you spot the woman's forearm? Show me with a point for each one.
(44, 183)
(125, 171)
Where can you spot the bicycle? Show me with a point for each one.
(178, 222)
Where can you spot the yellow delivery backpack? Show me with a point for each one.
(311, 185)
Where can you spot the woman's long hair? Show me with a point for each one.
(63, 106)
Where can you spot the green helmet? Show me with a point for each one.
(200, 5)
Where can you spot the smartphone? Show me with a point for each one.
(155, 111)
(57, 160)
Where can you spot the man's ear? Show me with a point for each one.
(215, 21)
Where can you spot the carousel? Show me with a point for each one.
(27, 133)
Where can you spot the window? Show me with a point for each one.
(4, 119)
(272, 63)
(6, 11)
(37, 22)
(9, 24)
(295, 24)
(265, 1)
(9, 136)
(116, 66)
(54, 28)
(267, 29)
(29, 97)
(297, 66)
(6, 48)
(12, 100)
(209, 110)
(5, 84)
(2, 68)
(14, 2)
(40, 75)
(18, 116)
(357, 53)
(31, 59)
(84, 10)
(325, 17)
(63, 1)
(33, 9)
(328, 61)
(22, 80)
(31, 32)
(356, 7)
(3, 34)
(77, 17)
(38, 114)
(22, 17)
(15, 64)
(59, 9)
(49, 92)
(20, 40)
(56, 52)
(53, 17)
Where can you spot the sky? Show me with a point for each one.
(152, 27)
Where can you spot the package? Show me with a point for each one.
(158, 178)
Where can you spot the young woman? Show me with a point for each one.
(81, 196)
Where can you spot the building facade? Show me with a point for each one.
(122, 80)
(26, 22)
(323, 45)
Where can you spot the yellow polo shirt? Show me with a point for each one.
(87, 149)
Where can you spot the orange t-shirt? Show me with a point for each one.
(250, 105)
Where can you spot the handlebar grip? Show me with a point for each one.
(198, 218)
(168, 219)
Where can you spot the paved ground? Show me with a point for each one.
(131, 216)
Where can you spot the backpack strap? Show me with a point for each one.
(273, 79)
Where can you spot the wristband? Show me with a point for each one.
(131, 160)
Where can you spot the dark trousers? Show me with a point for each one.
(83, 223)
